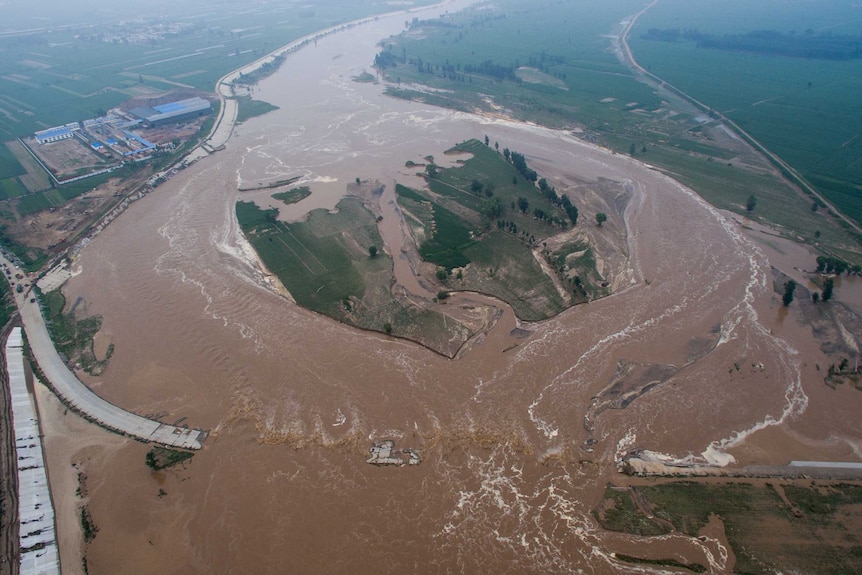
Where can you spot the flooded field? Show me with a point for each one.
(518, 436)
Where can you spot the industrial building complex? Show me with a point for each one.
(180, 111)
(102, 144)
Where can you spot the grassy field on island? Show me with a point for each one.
(73, 332)
(483, 222)
(250, 108)
(293, 196)
(333, 263)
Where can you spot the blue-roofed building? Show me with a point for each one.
(57, 133)
(179, 111)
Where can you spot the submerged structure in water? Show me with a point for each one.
(384, 453)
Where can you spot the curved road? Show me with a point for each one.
(75, 394)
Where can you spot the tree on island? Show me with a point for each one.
(751, 203)
(520, 163)
(827, 289)
(601, 218)
(789, 288)
(372, 251)
(831, 265)
(493, 208)
(570, 210)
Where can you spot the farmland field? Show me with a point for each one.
(11, 188)
(484, 223)
(9, 164)
(39, 201)
(555, 65)
(52, 76)
(807, 110)
(565, 43)
(771, 528)
(327, 266)
(34, 178)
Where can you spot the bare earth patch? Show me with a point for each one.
(49, 228)
(534, 76)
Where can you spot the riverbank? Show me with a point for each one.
(297, 399)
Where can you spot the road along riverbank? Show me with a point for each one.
(78, 396)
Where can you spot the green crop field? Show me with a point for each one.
(554, 65)
(564, 41)
(317, 269)
(327, 266)
(57, 75)
(33, 178)
(455, 227)
(293, 196)
(812, 532)
(249, 108)
(807, 110)
(11, 188)
(9, 164)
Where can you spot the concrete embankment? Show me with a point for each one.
(836, 470)
(78, 396)
(81, 398)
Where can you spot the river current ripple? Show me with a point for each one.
(294, 399)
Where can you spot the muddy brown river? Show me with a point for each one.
(516, 442)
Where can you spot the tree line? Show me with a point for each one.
(519, 162)
(837, 266)
(823, 46)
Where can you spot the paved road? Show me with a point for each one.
(75, 394)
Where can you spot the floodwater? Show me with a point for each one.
(516, 451)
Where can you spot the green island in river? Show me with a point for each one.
(487, 225)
